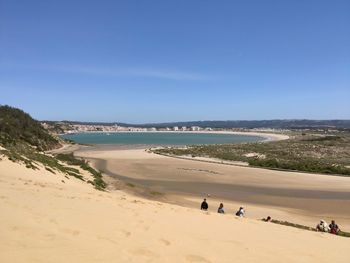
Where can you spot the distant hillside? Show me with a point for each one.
(24, 139)
(17, 126)
(276, 124)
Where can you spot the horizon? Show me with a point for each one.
(165, 62)
(191, 121)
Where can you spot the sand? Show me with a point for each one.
(45, 220)
(296, 197)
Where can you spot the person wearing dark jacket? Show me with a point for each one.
(334, 228)
(204, 205)
(221, 209)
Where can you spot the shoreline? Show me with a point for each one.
(266, 136)
(140, 173)
(303, 197)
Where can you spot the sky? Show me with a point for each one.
(161, 61)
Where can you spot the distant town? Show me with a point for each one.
(79, 128)
(64, 128)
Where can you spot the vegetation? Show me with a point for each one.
(24, 139)
(276, 124)
(18, 127)
(130, 185)
(155, 193)
(57, 127)
(286, 223)
(71, 160)
(316, 153)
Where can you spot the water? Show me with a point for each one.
(154, 138)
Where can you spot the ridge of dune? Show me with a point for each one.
(46, 220)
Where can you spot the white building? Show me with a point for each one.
(195, 128)
(176, 128)
(184, 128)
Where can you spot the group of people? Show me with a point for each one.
(322, 226)
(331, 228)
(221, 210)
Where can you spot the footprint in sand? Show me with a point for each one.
(50, 236)
(40, 184)
(144, 252)
(72, 232)
(165, 242)
(53, 221)
(14, 228)
(196, 258)
(126, 233)
(107, 239)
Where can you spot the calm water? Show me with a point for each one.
(152, 138)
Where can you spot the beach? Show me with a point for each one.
(44, 219)
(292, 196)
(150, 211)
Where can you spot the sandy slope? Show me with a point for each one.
(45, 220)
(297, 197)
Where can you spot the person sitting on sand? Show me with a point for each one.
(240, 212)
(322, 226)
(334, 229)
(204, 205)
(221, 209)
(267, 219)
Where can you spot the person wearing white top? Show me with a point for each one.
(240, 212)
(323, 226)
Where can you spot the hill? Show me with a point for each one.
(252, 124)
(276, 124)
(24, 140)
(18, 127)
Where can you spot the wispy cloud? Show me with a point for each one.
(117, 72)
(136, 72)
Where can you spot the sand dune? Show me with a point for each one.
(298, 197)
(44, 219)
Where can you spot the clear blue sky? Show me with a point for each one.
(156, 61)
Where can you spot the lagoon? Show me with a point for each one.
(160, 138)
